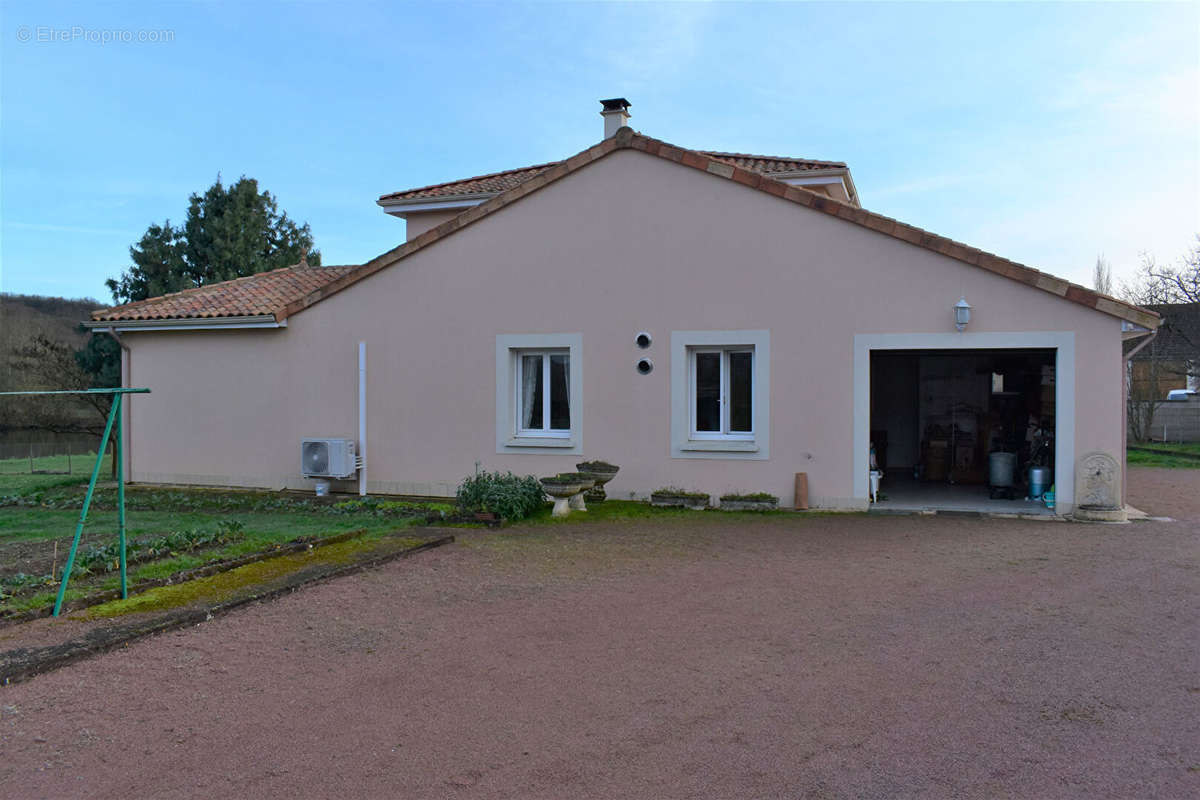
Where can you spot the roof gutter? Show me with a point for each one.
(415, 205)
(187, 324)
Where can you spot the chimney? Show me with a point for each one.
(616, 115)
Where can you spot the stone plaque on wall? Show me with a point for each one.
(1098, 489)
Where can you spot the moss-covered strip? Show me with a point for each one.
(226, 586)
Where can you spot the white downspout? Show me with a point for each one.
(362, 418)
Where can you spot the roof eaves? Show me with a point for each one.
(440, 198)
(197, 322)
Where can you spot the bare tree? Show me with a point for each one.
(1154, 285)
(1142, 397)
(1157, 284)
(1102, 276)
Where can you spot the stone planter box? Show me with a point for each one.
(694, 502)
(750, 505)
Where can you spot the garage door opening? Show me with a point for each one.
(963, 430)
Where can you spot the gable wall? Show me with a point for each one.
(629, 243)
(416, 224)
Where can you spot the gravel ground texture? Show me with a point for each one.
(801, 656)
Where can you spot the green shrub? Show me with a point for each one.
(510, 496)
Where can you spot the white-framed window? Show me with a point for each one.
(543, 386)
(720, 394)
(539, 392)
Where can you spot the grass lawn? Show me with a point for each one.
(635, 511)
(1181, 447)
(15, 477)
(1140, 458)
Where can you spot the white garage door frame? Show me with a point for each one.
(1061, 342)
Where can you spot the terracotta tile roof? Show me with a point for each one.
(254, 295)
(497, 182)
(767, 165)
(222, 299)
(494, 183)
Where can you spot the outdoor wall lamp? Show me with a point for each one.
(962, 313)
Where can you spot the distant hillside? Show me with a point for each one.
(22, 317)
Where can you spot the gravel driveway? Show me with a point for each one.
(807, 656)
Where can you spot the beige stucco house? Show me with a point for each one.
(714, 321)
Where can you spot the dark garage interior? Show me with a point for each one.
(963, 428)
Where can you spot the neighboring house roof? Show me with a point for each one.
(1178, 336)
(496, 182)
(627, 139)
(254, 295)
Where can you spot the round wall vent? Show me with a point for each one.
(643, 340)
(645, 366)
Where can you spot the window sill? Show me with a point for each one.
(539, 441)
(719, 446)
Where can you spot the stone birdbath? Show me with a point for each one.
(601, 472)
(567, 490)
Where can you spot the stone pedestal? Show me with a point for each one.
(596, 494)
(563, 494)
(567, 496)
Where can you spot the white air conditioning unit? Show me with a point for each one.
(327, 458)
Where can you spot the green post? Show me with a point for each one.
(121, 490)
(87, 502)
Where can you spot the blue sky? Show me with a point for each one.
(1047, 133)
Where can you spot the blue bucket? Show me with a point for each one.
(1039, 482)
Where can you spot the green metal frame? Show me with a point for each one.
(114, 415)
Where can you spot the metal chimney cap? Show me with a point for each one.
(615, 104)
